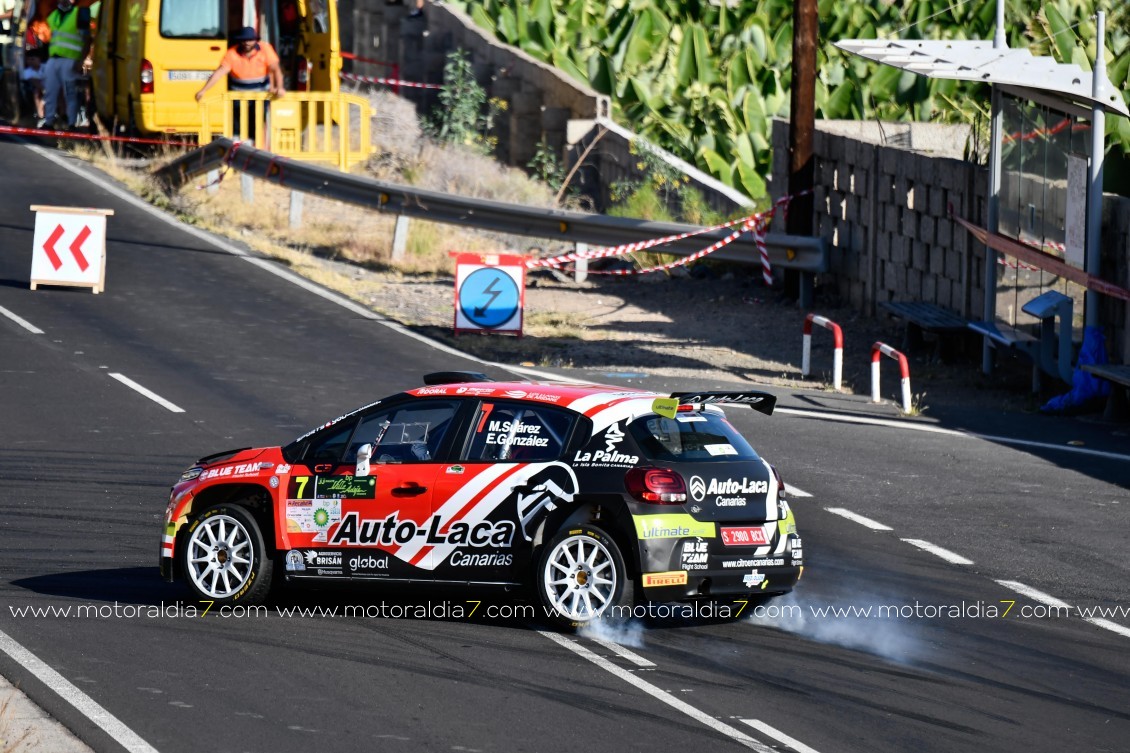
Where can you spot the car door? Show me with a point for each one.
(352, 517)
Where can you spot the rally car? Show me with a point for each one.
(596, 497)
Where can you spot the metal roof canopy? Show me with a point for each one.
(979, 60)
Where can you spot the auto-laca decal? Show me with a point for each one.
(759, 495)
(475, 526)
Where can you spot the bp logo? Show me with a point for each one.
(698, 488)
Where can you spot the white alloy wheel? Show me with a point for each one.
(220, 556)
(580, 577)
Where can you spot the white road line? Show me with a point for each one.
(868, 522)
(937, 551)
(21, 321)
(1033, 594)
(913, 426)
(148, 393)
(1114, 627)
(779, 736)
(792, 491)
(83, 703)
(619, 650)
(658, 693)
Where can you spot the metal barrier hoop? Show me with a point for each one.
(837, 344)
(882, 349)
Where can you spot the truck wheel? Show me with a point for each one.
(581, 578)
(224, 557)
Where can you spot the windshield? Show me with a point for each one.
(690, 437)
(192, 19)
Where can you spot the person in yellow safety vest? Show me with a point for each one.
(69, 46)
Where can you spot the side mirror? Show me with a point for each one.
(363, 455)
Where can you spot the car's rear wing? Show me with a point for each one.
(762, 402)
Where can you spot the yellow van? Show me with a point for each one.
(152, 56)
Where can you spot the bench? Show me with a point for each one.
(1118, 404)
(920, 317)
(1050, 353)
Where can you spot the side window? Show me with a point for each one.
(514, 432)
(329, 448)
(411, 433)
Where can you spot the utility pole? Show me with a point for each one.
(802, 124)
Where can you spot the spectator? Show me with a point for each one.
(250, 65)
(69, 46)
(417, 12)
(31, 81)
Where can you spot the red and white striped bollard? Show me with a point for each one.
(882, 349)
(837, 343)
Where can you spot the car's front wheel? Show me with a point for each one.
(224, 557)
(581, 578)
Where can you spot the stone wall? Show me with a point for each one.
(883, 199)
(542, 102)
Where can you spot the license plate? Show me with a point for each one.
(189, 75)
(744, 536)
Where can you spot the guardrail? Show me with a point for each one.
(328, 127)
(808, 255)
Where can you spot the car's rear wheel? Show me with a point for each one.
(581, 578)
(224, 557)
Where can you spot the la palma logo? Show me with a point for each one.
(698, 488)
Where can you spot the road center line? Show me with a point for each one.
(619, 650)
(1052, 601)
(21, 321)
(937, 551)
(779, 736)
(657, 693)
(792, 491)
(147, 393)
(83, 703)
(868, 522)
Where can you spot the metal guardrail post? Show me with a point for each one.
(400, 238)
(296, 201)
(581, 268)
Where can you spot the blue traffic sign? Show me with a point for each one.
(489, 297)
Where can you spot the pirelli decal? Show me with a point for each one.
(671, 578)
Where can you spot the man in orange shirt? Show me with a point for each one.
(250, 65)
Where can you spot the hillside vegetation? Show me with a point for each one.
(703, 78)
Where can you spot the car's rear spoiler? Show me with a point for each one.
(762, 402)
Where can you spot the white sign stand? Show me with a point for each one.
(69, 247)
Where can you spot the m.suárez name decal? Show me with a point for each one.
(352, 531)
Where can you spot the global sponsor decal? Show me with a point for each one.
(459, 558)
(355, 531)
(744, 536)
(672, 526)
(367, 564)
(670, 578)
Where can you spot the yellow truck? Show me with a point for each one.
(152, 56)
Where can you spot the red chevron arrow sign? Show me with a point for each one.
(69, 247)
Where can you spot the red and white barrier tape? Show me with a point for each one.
(78, 136)
(837, 344)
(388, 81)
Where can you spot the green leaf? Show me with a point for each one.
(1063, 37)
(507, 26)
(601, 76)
(717, 166)
(480, 17)
(750, 181)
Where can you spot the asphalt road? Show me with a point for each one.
(86, 463)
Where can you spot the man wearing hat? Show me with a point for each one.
(250, 65)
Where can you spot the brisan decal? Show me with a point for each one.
(353, 531)
(314, 558)
(460, 558)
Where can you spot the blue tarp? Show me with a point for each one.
(1086, 388)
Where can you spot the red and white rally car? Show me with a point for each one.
(594, 496)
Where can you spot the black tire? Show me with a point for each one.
(581, 578)
(224, 558)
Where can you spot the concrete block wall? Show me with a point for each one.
(885, 209)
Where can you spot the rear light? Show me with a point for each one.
(687, 408)
(303, 83)
(146, 77)
(658, 486)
